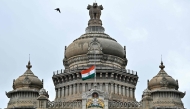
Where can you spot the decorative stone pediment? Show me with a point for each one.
(95, 98)
(95, 47)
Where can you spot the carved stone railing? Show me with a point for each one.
(115, 73)
(115, 68)
(111, 104)
(72, 104)
(164, 107)
(120, 104)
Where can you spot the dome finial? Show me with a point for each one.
(95, 13)
(162, 65)
(29, 65)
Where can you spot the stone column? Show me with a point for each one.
(106, 84)
(78, 88)
(83, 87)
(83, 103)
(59, 92)
(123, 87)
(32, 95)
(74, 89)
(119, 89)
(115, 88)
(66, 91)
(112, 88)
(70, 90)
(127, 90)
(134, 93)
(131, 93)
(63, 92)
(56, 93)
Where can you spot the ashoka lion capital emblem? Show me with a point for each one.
(95, 11)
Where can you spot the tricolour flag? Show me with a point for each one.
(88, 73)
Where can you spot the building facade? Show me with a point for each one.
(114, 86)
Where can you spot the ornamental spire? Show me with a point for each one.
(162, 65)
(29, 65)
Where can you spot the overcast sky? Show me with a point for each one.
(148, 28)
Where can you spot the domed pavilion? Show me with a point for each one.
(163, 90)
(25, 90)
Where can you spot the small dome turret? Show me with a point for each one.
(162, 80)
(28, 80)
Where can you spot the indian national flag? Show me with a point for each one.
(88, 73)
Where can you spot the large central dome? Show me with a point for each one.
(109, 46)
(95, 43)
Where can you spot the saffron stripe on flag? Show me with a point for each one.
(87, 70)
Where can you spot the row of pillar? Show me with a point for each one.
(166, 95)
(24, 94)
(83, 87)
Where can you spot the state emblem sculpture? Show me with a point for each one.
(95, 98)
(95, 101)
(95, 13)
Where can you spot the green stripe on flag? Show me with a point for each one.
(88, 77)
